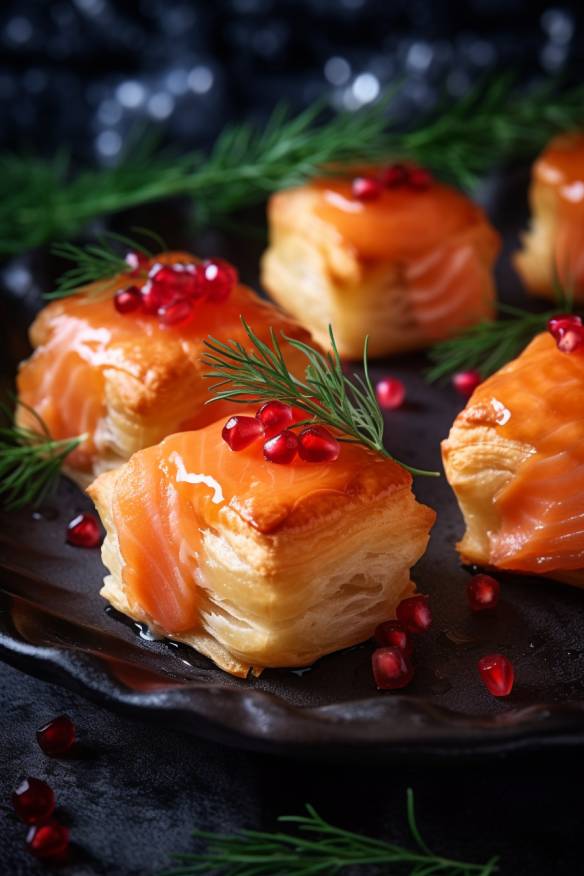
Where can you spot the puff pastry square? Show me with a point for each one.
(554, 245)
(407, 269)
(253, 564)
(124, 381)
(515, 459)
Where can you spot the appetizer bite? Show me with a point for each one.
(396, 256)
(515, 459)
(119, 363)
(273, 538)
(553, 248)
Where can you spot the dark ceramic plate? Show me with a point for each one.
(54, 624)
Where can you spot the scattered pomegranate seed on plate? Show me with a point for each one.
(391, 633)
(239, 432)
(497, 674)
(58, 736)
(390, 393)
(465, 382)
(83, 531)
(392, 668)
(414, 614)
(482, 592)
(33, 801)
(49, 841)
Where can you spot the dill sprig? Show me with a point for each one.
(42, 200)
(98, 263)
(318, 847)
(30, 461)
(327, 395)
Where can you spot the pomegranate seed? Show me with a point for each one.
(390, 393)
(558, 325)
(392, 668)
(282, 448)
(50, 841)
(219, 279)
(391, 633)
(172, 283)
(33, 801)
(83, 531)
(414, 614)
(366, 188)
(173, 314)
(394, 176)
(58, 736)
(465, 382)
(316, 444)
(571, 340)
(240, 432)
(419, 179)
(275, 416)
(482, 592)
(497, 674)
(136, 261)
(128, 300)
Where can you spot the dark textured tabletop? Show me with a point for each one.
(133, 792)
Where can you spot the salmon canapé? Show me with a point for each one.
(408, 268)
(515, 459)
(257, 564)
(124, 380)
(553, 248)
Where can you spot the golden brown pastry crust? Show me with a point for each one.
(398, 301)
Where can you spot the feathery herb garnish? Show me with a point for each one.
(318, 847)
(327, 395)
(30, 461)
(44, 200)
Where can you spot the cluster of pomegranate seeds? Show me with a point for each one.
(58, 736)
(83, 531)
(33, 801)
(497, 674)
(390, 393)
(465, 382)
(49, 842)
(392, 662)
(482, 592)
(170, 292)
(370, 188)
(568, 332)
(272, 424)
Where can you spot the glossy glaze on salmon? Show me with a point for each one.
(85, 349)
(167, 495)
(536, 514)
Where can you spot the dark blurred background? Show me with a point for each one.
(82, 73)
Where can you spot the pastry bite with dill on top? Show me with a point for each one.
(392, 254)
(553, 248)
(515, 460)
(119, 361)
(268, 540)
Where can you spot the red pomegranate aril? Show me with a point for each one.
(33, 801)
(419, 179)
(275, 416)
(239, 432)
(317, 444)
(58, 736)
(414, 614)
(394, 176)
(366, 188)
(128, 300)
(482, 592)
(392, 668)
(49, 842)
(497, 674)
(174, 314)
(560, 324)
(465, 382)
(390, 393)
(136, 261)
(282, 448)
(392, 634)
(571, 340)
(218, 280)
(83, 531)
